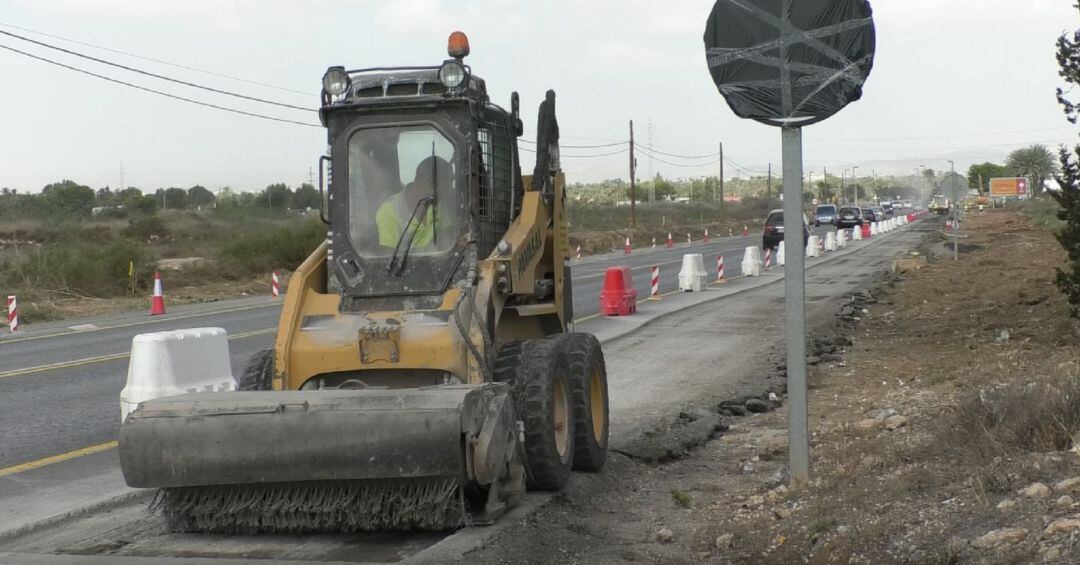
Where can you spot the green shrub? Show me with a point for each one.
(282, 248)
(146, 228)
(80, 269)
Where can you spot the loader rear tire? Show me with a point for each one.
(538, 372)
(588, 378)
(259, 373)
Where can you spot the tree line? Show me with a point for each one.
(1035, 162)
(70, 199)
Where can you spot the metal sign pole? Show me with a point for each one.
(795, 305)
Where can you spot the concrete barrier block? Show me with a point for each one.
(812, 246)
(751, 263)
(692, 275)
(174, 362)
(780, 254)
(830, 241)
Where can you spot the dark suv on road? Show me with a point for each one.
(888, 208)
(773, 233)
(825, 214)
(848, 217)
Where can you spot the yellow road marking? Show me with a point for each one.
(103, 358)
(29, 465)
(137, 323)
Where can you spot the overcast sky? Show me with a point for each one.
(967, 80)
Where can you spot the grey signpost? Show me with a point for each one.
(791, 64)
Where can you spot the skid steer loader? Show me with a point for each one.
(425, 371)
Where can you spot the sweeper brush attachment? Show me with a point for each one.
(327, 461)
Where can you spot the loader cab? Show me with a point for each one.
(423, 173)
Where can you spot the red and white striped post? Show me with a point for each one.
(654, 243)
(706, 235)
(655, 282)
(275, 284)
(670, 242)
(577, 254)
(12, 313)
(688, 239)
(626, 248)
(720, 268)
(768, 257)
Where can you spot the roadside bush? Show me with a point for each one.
(282, 248)
(79, 269)
(1037, 416)
(145, 228)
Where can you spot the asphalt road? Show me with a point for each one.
(60, 387)
(718, 348)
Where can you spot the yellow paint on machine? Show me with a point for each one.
(30, 465)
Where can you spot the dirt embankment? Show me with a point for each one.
(943, 415)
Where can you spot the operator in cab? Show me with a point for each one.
(432, 174)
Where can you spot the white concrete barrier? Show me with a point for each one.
(841, 239)
(874, 228)
(812, 246)
(751, 263)
(856, 233)
(830, 241)
(780, 254)
(174, 362)
(692, 276)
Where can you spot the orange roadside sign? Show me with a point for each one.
(1009, 187)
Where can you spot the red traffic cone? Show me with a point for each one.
(670, 242)
(157, 301)
(626, 248)
(706, 235)
(745, 231)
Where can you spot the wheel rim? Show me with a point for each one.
(597, 409)
(560, 413)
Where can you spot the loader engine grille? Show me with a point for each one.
(411, 88)
(496, 166)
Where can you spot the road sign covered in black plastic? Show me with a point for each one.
(790, 62)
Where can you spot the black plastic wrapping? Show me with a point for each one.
(828, 47)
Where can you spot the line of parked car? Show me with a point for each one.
(843, 217)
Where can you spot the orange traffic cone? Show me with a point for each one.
(627, 248)
(670, 242)
(745, 231)
(706, 236)
(157, 301)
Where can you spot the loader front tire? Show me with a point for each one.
(588, 377)
(259, 373)
(538, 372)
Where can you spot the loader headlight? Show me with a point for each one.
(336, 81)
(453, 75)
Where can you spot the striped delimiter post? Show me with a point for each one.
(720, 268)
(655, 282)
(12, 313)
(275, 284)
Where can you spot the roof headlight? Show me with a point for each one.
(453, 75)
(336, 81)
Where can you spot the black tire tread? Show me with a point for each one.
(583, 352)
(529, 368)
(259, 373)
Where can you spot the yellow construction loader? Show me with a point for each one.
(425, 370)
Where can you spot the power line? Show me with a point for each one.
(165, 94)
(155, 75)
(151, 59)
(583, 146)
(692, 157)
(561, 155)
(681, 165)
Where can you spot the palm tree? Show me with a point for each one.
(1036, 163)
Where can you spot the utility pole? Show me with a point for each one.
(955, 214)
(310, 177)
(768, 189)
(721, 180)
(652, 179)
(121, 176)
(825, 173)
(855, 183)
(843, 183)
(633, 183)
(811, 173)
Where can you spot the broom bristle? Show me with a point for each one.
(316, 506)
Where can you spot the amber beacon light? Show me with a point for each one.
(458, 45)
